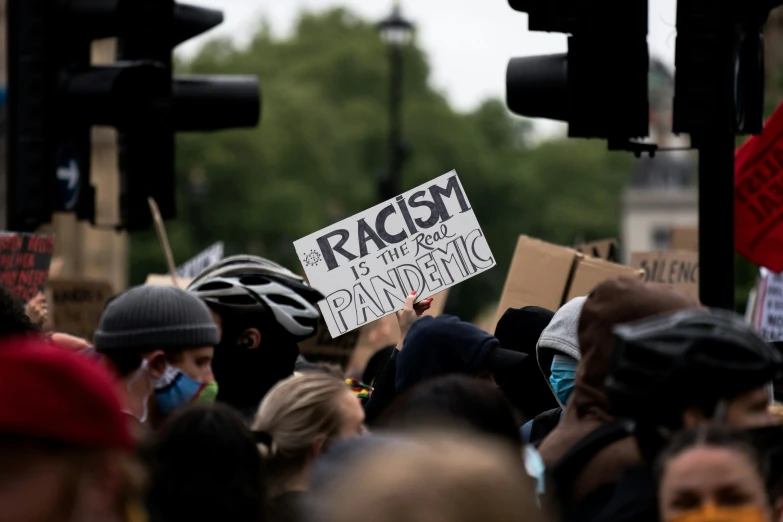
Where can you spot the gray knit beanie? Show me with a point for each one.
(155, 317)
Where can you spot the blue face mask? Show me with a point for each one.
(563, 376)
(176, 389)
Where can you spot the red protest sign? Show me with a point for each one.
(758, 196)
(24, 263)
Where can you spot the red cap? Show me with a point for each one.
(49, 392)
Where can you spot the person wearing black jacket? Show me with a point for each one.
(435, 346)
(671, 373)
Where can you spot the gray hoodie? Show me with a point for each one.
(560, 337)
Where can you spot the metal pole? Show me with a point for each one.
(716, 219)
(390, 185)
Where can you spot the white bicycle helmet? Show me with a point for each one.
(253, 283)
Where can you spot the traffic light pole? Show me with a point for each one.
(716, 219)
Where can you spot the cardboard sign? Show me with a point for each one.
(547, 275)
(590, 272)
(769, 310)
(78, 305)
(165, 280)
(679, 268)
(605, 249)
(196, 264)
(24, 263)
(427, 239)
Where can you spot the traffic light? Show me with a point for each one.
(55, 96)
(599, 87)
(719, 66)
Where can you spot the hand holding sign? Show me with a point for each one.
(37, 310)
(409, 313)
(425, 240)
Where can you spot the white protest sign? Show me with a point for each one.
(769, 312)
(196, 264)
(427, 239)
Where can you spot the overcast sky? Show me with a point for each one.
(469, 42)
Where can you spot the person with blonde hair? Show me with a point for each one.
(436, 477)
(297, 421)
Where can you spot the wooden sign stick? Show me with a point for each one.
(164, 239)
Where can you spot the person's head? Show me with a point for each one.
(441, 478)
(519, 329)
(616, 301)
(443, 345)
(64, 443)
(299, 419)
(263, 310)
(687, 368)
(458, 402)
(13, 320)
(558, 350)
(206, 466)
(161, 339)
(712, 474)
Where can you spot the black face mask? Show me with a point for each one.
(246, 375)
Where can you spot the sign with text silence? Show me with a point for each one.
(427, 239)
(678, 268)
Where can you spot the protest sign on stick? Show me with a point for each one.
(425, 240)
(24, 263)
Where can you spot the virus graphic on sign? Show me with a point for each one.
(312, 259)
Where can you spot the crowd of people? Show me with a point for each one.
(632, 403)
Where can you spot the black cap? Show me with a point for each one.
(519, 328)
(525, 386)
(155, 317)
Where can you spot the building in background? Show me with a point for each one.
(662, 195)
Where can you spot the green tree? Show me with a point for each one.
(321, 146)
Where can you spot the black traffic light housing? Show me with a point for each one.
(719, 66)
(600, 86)
(55, 95)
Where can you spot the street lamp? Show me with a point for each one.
(396, 32)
